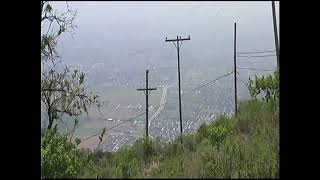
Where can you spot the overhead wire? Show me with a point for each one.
(255, 52)
(213, 81)
(130, 120)
(258, 56)
(98, 133)
(254, 69)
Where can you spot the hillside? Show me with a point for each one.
(245, 146)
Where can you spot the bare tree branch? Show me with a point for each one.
(64, 93)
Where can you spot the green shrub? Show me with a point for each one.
(202, 133)
(189, 143)
(59, 158)
(269, 85)
(218, 130)
(246, 146)
(145, 149)
(173, 148)
(217, 134)
(126, 163)
(148, 147)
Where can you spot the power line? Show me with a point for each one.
(130, 120)
(213, 80)
(91, 136)
(159, 68)
(255, 52)
(115, 126)
(254, 69)
(119, 124)
(259, 56)
(133, 118)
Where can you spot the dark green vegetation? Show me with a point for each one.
(59, 157)
(246, 146)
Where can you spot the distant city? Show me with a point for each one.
(198, 106)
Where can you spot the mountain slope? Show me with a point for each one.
(237, 147)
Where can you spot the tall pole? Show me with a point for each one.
(146, 90)
(235, 69)
(275, 32)
(178, 53)
(147, 105)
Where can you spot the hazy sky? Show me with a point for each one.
(109, 31)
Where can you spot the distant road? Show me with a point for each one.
(117, 145)
(162, 101)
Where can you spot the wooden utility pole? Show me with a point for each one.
(235, 69)
(178, 52)
(146, 91)
(275, 32)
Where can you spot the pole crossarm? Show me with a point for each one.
(178, 46)
(179, 39)
(143, 89)
(147, 90)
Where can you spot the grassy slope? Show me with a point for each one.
(246, 146)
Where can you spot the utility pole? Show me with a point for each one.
(275, 32)
(235, 69)
(178, 52)
(146, 91)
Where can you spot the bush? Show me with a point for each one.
(126, 163)
(144, 149)
(218, 130)
(173, 148)
(269, 85)
(217, 134)
(189, 142)
(246, 146)
(202, 132)
(59, 158)
(148, 148)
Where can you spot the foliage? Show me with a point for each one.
(246, 146)
(217, 134)
(189, 143)
(59, 158)
(202, 132)
(64, 93)
(269, 85)
(219, 129)
(150, 148)
(62, 90)
(126, 163)
(55, 24)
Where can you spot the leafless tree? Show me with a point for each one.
(62, 90)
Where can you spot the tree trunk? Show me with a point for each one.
(50, 119)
